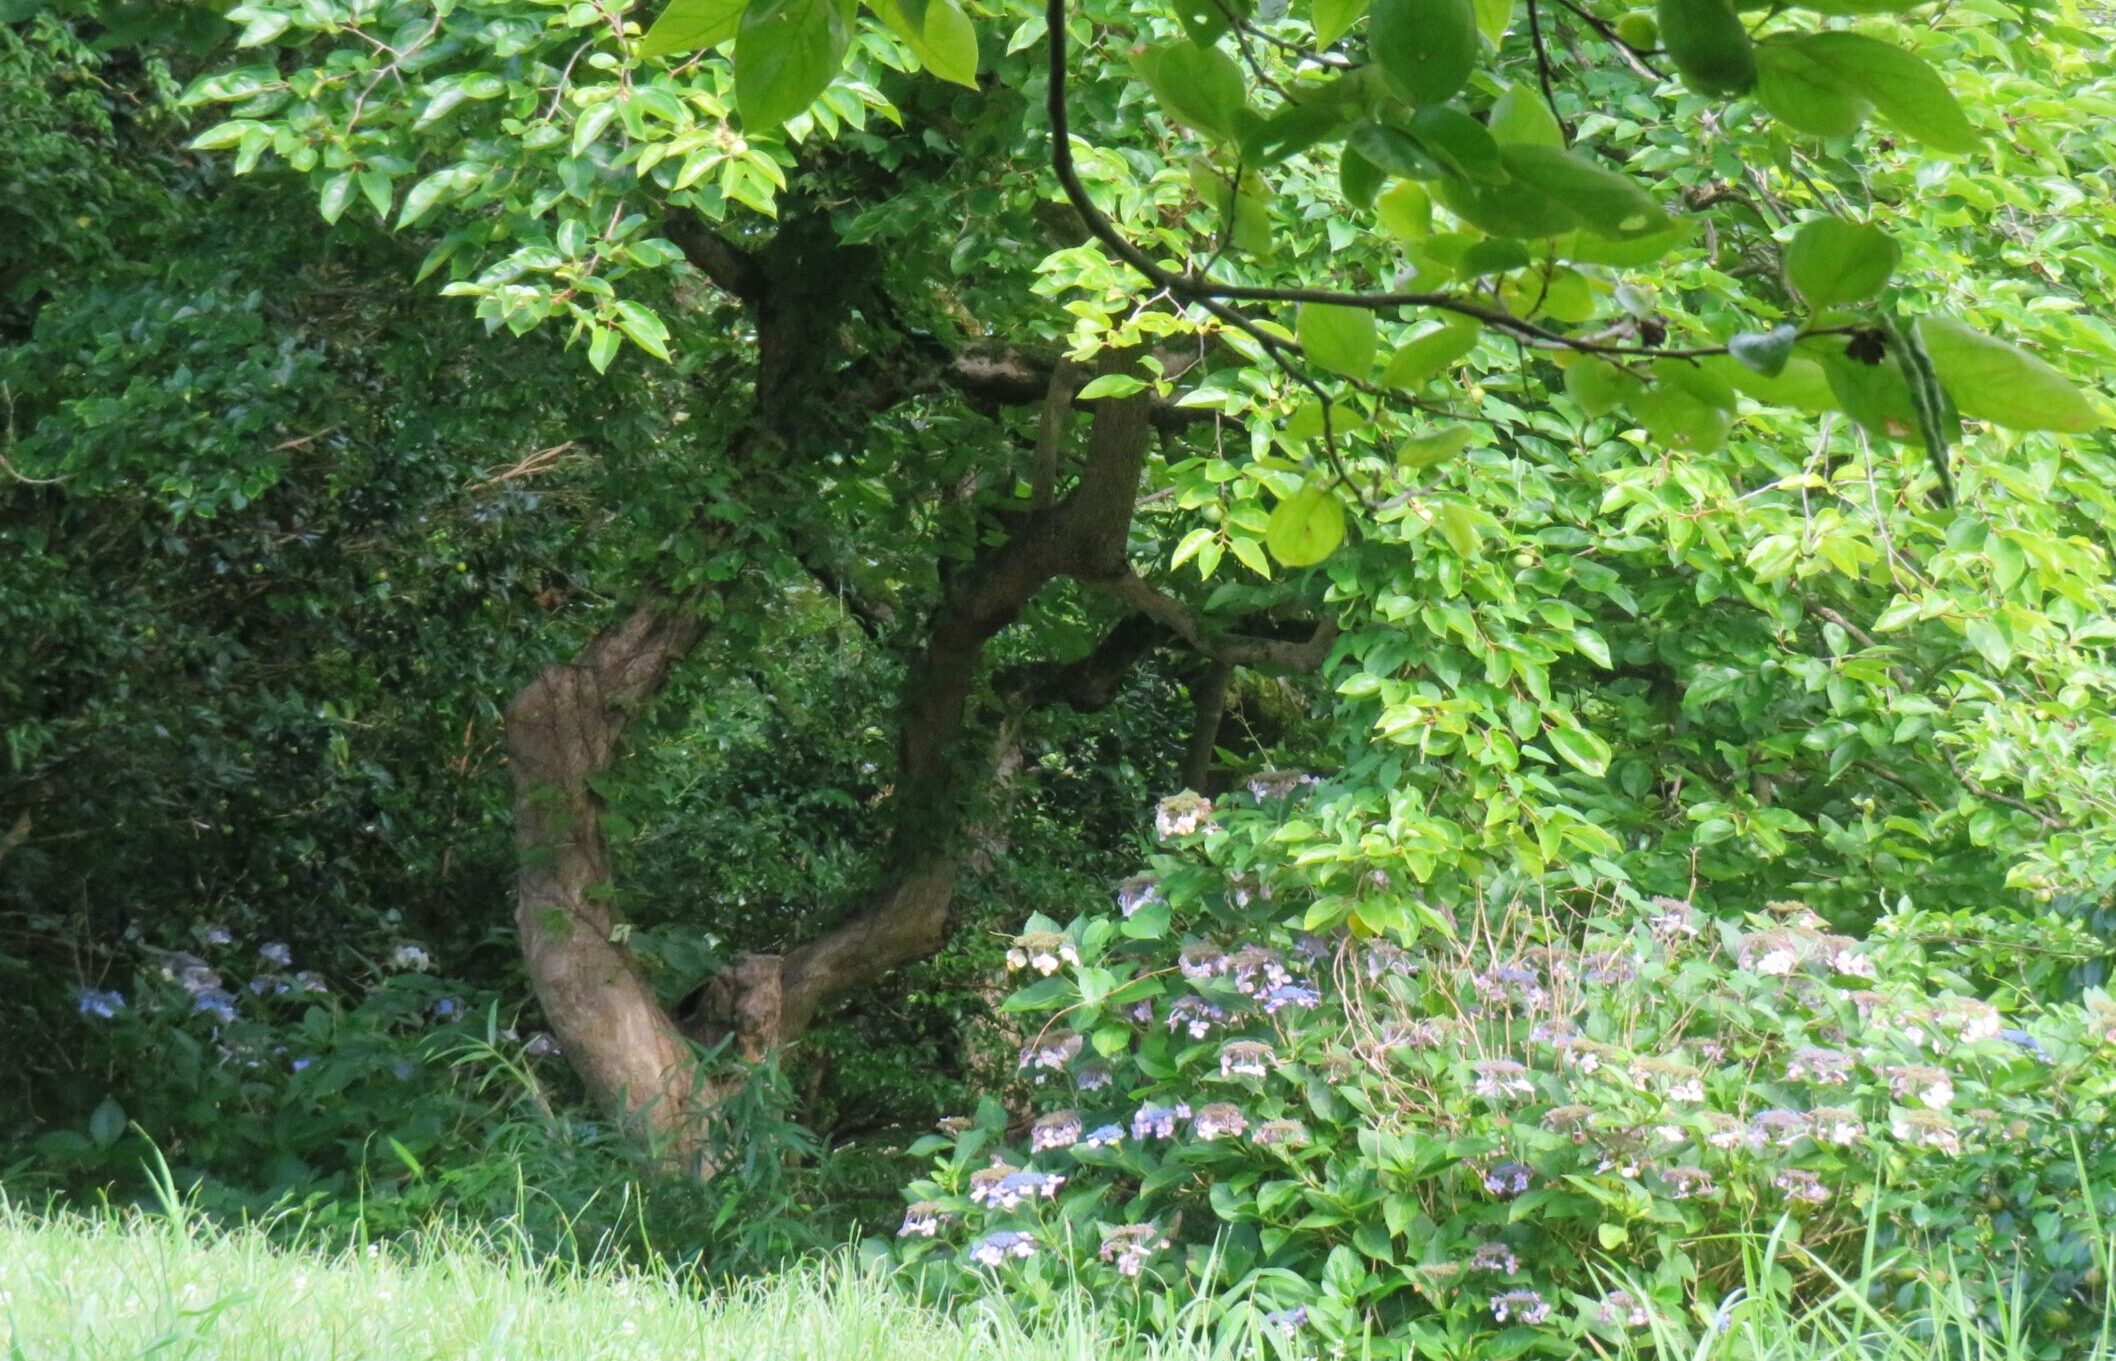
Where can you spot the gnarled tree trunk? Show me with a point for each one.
(563, 730)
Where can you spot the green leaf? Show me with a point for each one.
(337, 196)
(1581, 748)
(1601, 387)
(1611, 1235)
(1197, 86)
(692, 25)
(1806, 95)
(1110, 385)
(1833, 262)
(1764, 352)
(603, 344)
(1334, 18)
(1514, 209)
(1986, 637)
(1428, 352)
(1341, 339)
(1592, 646)
(1908, 94)
(106, 1123)
(1423, 451)
(786, 54)
(1426, 49)
(1306, 527)
(938, 33)
(1991, 380)
(645, 329)
(1521, 116)
(1609, 202)
(1458, 142)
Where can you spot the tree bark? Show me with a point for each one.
(563, 730)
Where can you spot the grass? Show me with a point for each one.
(90, 1287)
(100, 1288)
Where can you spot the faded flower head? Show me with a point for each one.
(1136, 892)
(1823, 1067)
(1778, 1128)
(1221, 1118)
(1059, 1129)
(1674, 919)
(1129, 1245)
(1092, 1077)
(1773, 954)
(1103, 1136)
(1526, 1306)
(1801, 1185)
(1246, 1058)
(1690, 1183)
(1932, 1087)
(1622, 1309)
(1927, 1129)
(215, 1003)
(410, 957)
(922, 1220)
(1043, 1055)
(1290, 995)
(1287, 1321)
(1494, 1257)
(995, 1248)
(1183, 815)
(1201, 961)
(1837, 1126)
(1267, 785)
(1043, 951)
(212, 935)
(1288, 1133)
(1157, 1122)
(100, 1003)
(276, 953)
(1968, 1019)
(1501, 1080)
(1195, 1015)
(1508, 1179)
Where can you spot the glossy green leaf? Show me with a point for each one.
(1805, 94)
(1764, 352)
(1426, 353)
(938, 33)
(1521, 116)
(1460, 144)
(1903, 88)
(1424, 451)
(1425, 49)
(1334, 18)
(691, 26)
(1991, 380)
(1306, 527)
(1581, 748)
(1607, 201)
(1832, 262)
(786, 54)
(1341, 339)
(1199, 86)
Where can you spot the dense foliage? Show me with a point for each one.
(1538, 1127)
(1606, 512)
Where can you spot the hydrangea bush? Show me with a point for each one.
(1517, 1127)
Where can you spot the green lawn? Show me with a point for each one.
(76, 1288)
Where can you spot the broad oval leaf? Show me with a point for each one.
(1521, 116)
(1333, 18)
(1341, 339)
(1764, 352)
(1427, 353)
(1581, 748)
(1991, 380)
(1607, 201)
(691, 26)
(1306, 527)
(786, 54)
(1197, 86)
(1708, 44)
(1458, 142)
(1833, 262)
(1425, 49)
(1806, 95)
(938, 33)
(1901, 86)
(1423, 451)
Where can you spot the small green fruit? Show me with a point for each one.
(1638, 30)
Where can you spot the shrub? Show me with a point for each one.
(1516, 1126)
